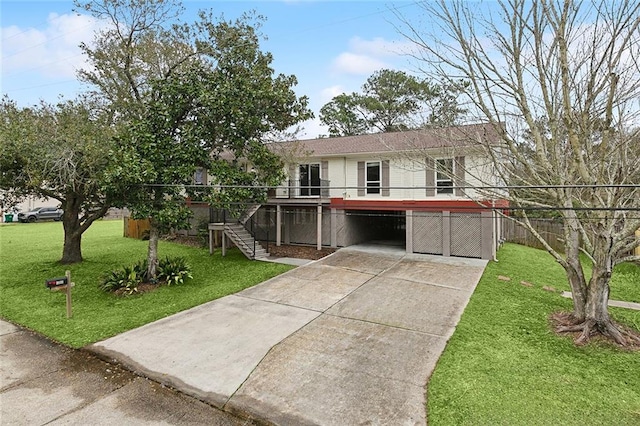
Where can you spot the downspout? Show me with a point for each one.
(495, 230)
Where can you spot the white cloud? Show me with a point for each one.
(364, 57)
(50, 53)
(353, 63)
(379, 47)
(312, 129)
(329, 93)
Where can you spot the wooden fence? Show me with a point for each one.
(550, 229)
(136, 228)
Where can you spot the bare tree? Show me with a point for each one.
(559, 80)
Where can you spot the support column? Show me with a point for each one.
(486, 224)
(278, 225)
(288, 219)
(409, 231)
(319, 228)
(334, 228)
(224, 244)
(446, 233)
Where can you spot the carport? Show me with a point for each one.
(378, 226)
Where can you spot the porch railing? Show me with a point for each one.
(294, 188)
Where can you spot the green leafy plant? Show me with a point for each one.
(141, 269)
(173, 271)
(125, 280)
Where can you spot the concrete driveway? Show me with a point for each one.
(349, 339)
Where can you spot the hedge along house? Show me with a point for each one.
(412, 189)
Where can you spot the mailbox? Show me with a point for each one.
(56, 282)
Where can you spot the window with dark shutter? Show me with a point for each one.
(373, 175)
(444, 176)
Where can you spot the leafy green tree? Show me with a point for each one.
(343, 116)
(392, 101)
(188, 96)
(61, 152)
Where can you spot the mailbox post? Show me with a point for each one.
(62, 284)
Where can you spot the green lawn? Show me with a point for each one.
(29, 255)
(503, 365)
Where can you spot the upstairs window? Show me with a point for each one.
(444, 176)
(200, 177)
(309, 179)
(373, 175)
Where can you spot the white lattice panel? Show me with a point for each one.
(466, 235)
(427, 232)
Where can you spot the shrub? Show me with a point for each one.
(173, 271)
(125, 280)
(128, 279)
(141, 268)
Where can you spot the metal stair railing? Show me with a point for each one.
(234, 227)
(248, 213)
(246, 245)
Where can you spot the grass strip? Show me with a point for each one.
(504, 366)
(29, 254)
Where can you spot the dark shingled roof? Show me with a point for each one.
(459, 136)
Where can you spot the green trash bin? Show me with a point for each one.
(8, 218)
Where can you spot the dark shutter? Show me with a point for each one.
(291, 183)
(459, 179)
(360, 178)
(385, 178)
(430, 176)
(324, 178)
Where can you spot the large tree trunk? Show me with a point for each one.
(591, 316)
(573, 267)
(71, 252)
(152, 254)
(597, 318)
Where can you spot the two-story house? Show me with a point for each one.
(413, 189)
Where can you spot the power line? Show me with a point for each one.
(328, 188)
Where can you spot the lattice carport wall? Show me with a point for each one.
(451, 234)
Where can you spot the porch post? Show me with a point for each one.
(319, 227)
(408, 222)
(224, 243)
(487, 235)
(446, 233)
(334, 228)
(278, 225)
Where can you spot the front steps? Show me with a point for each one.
(241, 238)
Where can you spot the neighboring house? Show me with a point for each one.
(407, 188)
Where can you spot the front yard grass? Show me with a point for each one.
(29, 254)
(504, 366)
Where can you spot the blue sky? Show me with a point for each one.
(331, 46)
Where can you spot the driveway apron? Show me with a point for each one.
(349, 339)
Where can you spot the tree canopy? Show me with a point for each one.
(559, 80)
(61, 152)
(392, 101)
(188, 96)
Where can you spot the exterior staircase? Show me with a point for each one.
(249, 212)
(244, 241)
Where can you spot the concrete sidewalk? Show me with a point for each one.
(349, 339)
